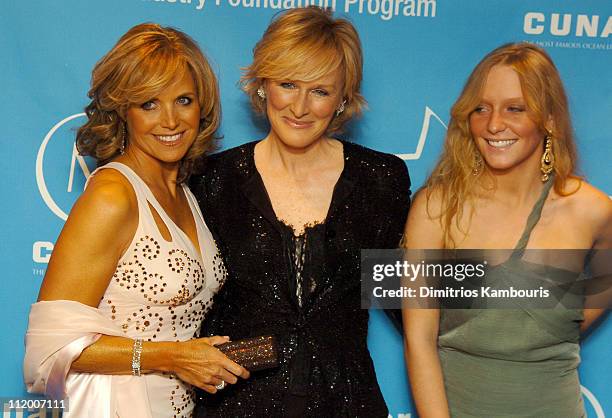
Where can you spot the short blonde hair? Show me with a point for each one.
(306, 44)
(146, 60)
(545, 99)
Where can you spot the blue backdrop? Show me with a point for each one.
(418, 54)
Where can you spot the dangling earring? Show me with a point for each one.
(547, 163)
(341, 108)
(477, 164)
(123, 139)
(261, 93)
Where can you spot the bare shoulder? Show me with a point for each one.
(109, 193)
(423, 229)
(592, 208)
(111, 183)
(99, 229)
(106, 212)
(427, 203)
(589, 203)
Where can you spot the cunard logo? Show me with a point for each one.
(556, 24)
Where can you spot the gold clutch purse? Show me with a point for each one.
(254, 354)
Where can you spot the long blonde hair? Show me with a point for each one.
(145, 61)
(545, 97)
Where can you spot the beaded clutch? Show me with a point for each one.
(257, 353)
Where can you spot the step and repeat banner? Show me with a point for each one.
(418, 54)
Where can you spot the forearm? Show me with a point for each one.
(426, 381)
(195, 361)
(113, 355)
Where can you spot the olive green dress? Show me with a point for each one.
(513, 362)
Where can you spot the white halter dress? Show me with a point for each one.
(160, 291)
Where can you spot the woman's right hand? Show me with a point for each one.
(201, 364)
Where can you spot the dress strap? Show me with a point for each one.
(138, 185)
(143, 195)
(533, 218)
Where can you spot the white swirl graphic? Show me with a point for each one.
(40, 177)
(599, 412)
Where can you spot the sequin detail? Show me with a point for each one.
(161, 290)
(324, 365)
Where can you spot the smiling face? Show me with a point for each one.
(504, 133)
(300, 112)
(163, 128)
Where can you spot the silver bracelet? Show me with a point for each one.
(136, 351)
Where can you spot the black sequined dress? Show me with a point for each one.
(305, 290)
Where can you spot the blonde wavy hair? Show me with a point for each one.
(546, 101)
(306, 44)
(146, 60)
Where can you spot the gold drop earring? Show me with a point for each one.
(547, 163)
(477, 164)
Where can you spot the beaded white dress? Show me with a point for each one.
(161, 290)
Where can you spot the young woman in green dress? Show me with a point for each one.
(505, 180)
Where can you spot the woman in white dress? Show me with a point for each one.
(135, 267)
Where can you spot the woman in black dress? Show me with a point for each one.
(290, 214)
